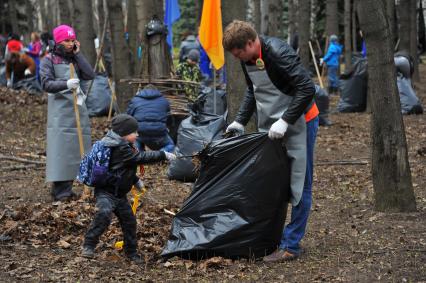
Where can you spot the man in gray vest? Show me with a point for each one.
(281, 91)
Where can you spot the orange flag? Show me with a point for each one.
(210, 33)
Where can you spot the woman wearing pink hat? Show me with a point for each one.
(63, 153)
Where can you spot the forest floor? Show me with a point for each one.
(346, 240)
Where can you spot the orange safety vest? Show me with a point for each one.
(312, 113)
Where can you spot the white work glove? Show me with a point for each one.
(73, 83)
(321, 61)
(9, 83)
(170, 156)
(25, 49)
(139, 185)
(235, 126)
(278, 129)
(27, 72)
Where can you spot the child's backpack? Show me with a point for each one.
(94, 165)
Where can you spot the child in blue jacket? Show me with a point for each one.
(332, 60)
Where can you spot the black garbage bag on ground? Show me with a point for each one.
(410, 104)
(29, 84)
(99, 99)
(194, 133)
(206, 98)
(239, 202)
(3, 81)
(353, 87)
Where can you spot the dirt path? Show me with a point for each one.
(346, 240)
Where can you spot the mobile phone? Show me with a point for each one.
(74, 46)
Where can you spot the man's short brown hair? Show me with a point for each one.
(237, 34)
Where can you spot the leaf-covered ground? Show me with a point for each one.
(346, 240)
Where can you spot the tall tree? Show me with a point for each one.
(236, 84)
(292, 16)
(303, 23)
(332, 17)
(392, 185)
(13, 15)
(271, 11)
(83, 24)
(354, 25)
(257, 15)
(120, 53)
(134, 39)
(408, 31)
(145, 10)
(65, 12)
(348, 51)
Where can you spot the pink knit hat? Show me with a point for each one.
(63, 32)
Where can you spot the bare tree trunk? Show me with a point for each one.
(271, 11)
(404, 24)
(313, 20)
(120, 54)
(332, 20)
(83, 24)
(134, 39)
(390, 14)
(348, 51)
(354, 27)
(65, 12)
(236, 84)
(257, 15)
(413, 39)
(390, 168)
(13, 16)
(292, 16)
(145, 10)
(304, 16)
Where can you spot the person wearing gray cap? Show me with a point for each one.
(331, 58)
(190, 71)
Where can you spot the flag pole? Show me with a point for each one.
(214, 90)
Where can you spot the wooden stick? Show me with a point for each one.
(20, 167)
(86, 192)
(316, 66)
(342, 162)
(99, 53)
(23, 160)
(324, 66)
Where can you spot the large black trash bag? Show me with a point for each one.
(239, 201)
(99, 99)
(3, 81)
(353, 87)
(410, 104)
(29, 84)
(194, 133)
(206, 98)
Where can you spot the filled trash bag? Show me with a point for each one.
(410, 104)
(239, 202)
(194, 133)
(207, 100)
(99, 99)
(353, 87)
(29, 84)
(3, 81)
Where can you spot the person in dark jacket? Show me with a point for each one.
(151, 110)
(111, 198)
(281, 91)
(62, 141)
(190, 43)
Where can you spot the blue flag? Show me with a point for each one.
(171, 15)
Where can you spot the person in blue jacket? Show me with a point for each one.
(151, 110)
(332, 60)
